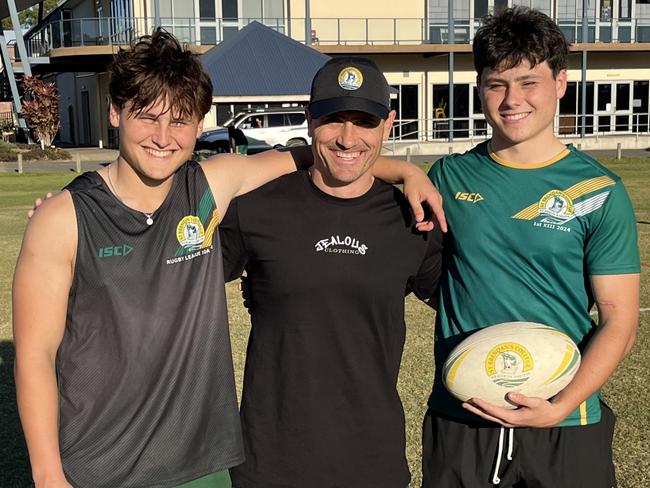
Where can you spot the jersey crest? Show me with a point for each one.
(560, 206)
(190, 232)
(195, 233)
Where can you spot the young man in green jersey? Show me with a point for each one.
(553, 234)
(123, 364)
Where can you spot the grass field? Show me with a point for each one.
(626, 392)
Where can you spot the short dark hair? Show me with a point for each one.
(506, 39)
(156, 67)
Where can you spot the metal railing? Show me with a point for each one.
(325, 31)
(476, 129)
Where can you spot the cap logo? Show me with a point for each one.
(350, 78)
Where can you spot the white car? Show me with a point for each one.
(284, 126)
(264, 128)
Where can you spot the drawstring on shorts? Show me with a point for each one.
(495, 477)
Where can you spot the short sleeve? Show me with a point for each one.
(611, 246)
(434, 173)
(425, 283)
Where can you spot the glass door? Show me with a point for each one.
(613, 107)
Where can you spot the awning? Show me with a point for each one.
(20, 6)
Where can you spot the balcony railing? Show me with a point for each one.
(325, 31)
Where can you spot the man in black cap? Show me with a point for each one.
(330, 254)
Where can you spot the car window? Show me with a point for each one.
(246, 123)
(296, 118)
(275, 120)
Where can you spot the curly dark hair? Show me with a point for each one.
(157, 67)
(506, 39)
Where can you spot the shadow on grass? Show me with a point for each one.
(14, 464)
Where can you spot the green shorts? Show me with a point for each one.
(220, 479)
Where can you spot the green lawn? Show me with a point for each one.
(625, 392)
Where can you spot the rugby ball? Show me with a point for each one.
(525, 357)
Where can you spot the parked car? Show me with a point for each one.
(264, 128)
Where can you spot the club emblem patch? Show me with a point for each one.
(509, 364)
(350, 78)
(190, 232)
(556, 204)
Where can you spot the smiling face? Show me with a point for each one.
(155, 142)
(520, 105)
(346, 145)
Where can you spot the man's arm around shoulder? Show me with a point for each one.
(231, 175)
(41, 285)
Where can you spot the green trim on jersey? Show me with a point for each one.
(220, 479)
(521, 246)
(208, 215)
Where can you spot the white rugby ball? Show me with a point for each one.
(525, 357)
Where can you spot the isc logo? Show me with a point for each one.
(469, 197)
(107, 252)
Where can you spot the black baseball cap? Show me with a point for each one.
(349, 83)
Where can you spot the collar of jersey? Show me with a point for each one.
(562, 154)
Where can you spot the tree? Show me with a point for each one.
(41, 108)
(29, 17)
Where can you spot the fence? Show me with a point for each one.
(477, 129)
(331, 31)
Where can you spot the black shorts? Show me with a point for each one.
(460, 455)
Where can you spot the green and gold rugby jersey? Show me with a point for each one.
(522, 243)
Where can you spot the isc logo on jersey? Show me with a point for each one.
(190, 232)
(469, 197)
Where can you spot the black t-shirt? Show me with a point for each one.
(328, 277)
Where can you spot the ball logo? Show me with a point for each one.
(556, 203)
(509, 364)
(350, 78)
(190, 232)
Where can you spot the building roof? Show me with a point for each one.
(261, 62)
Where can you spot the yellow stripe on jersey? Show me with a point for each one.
(209, 232)
(528, 213)
(588, 186)
(573, 192)
(583, 413)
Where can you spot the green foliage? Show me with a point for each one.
(6, 124)
(29, 17)
(48, 153)
(32, 152)
(7, 146)
(7, 151)
(41, 108)
(8, 155)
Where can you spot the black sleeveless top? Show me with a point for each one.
(146, 387)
